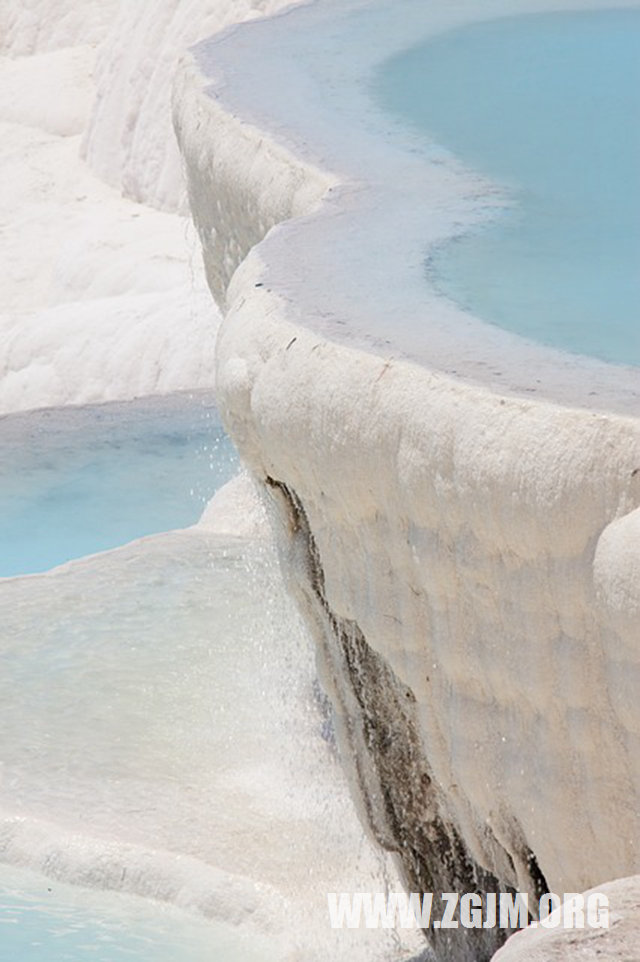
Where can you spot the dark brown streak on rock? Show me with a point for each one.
(405, 808)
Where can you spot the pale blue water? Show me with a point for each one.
(549, 106)
(44, 921)
(77, 481)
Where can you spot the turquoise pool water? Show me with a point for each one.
(43, 921)
(80, 480)
(548, 107)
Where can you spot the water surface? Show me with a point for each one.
(74, 481)
(548, 107)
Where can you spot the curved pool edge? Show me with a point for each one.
(350, 269)
(438, 530)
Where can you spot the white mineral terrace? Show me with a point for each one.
(471, 498)
(457, 509)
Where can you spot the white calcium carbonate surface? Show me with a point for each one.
(484, 541)
(617, 943)
(33, 26)
(101, 297)
(129, 141)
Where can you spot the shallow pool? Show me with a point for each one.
(43, 920)
(76, 481)
(547, 106)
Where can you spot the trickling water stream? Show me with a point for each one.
(160, 728)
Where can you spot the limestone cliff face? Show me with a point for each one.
(467, 560)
